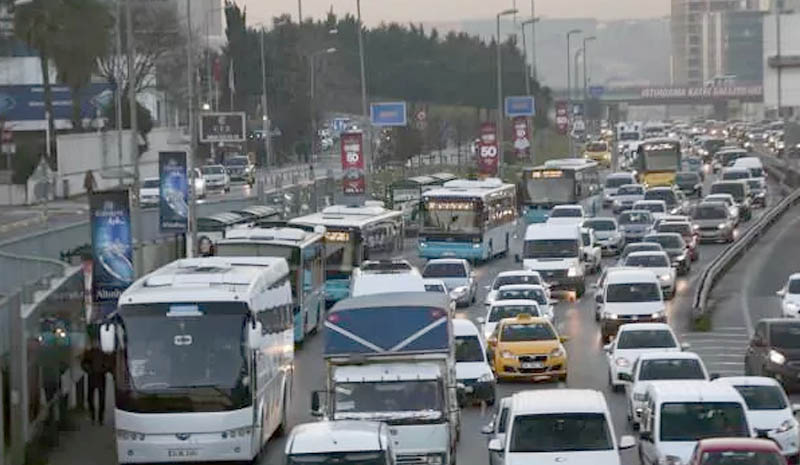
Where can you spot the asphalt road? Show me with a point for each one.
(587, 363)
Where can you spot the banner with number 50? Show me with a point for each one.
(354, 182)
(488, 153)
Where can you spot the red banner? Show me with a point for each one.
(562, 117)
(488, 159)
(522, 142)
(353, 182)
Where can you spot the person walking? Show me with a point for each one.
(89, 183)
(96, 364)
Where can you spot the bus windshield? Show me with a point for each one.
(551, 248)
(554, 190)
(452, 216)
(661, 156)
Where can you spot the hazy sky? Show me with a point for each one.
(446, 11)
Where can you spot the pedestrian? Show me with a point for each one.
(89, 183)
(96, 364)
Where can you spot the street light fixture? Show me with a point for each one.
(570, 33)
(511, 11)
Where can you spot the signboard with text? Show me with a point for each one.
(354, 179)
(520, 106)
(112, 253)
(223, 127)
(745, 93)
(488, 151)
(173, 192)
(522, 142)
(562, 117)
(388, 114)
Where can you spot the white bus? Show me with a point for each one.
(204, 360)
(305, 252)
(468, 219)
(354, 234)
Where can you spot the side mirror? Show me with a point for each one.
(481, 320)
(495, 445)
(685, 346)
(488, 429)
(492, 341)
(598, 298)
(780, 292)
(563, 339)
(517, 258)
(626, 442)
(316, 404)
(607, 347)
(625, 377)
(108, 338)
(646, 436)
(255, 335)
(714, 376)
(585, 257)
(796, 408)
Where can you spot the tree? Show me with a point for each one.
(144, 120)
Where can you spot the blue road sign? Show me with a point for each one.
(596, 91)
(388, 114)
(340, 124)
(522, 105)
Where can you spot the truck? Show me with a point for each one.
(343, 442)
(390, 358)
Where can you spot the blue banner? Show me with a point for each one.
(522, 105)
(26, 102)
(173, 192)
(388, 114)
(112, 270)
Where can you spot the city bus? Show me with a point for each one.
(354, 234)
(204, 360)
(559, 182)
(657, 161)
(409, 190)
(468, 219)
(304, 251)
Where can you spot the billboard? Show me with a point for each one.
(222, 127)
(26, 102)
(388, 114)
(520, 106)
(562, 117)
(488, 153)
(522, 141)
(173, 192)
(354, 179)
(112, 252)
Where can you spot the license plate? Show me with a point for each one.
(469, 389)
(532, 365)
(179, 453)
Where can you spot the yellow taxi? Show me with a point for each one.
(528, 347)
(599, 151)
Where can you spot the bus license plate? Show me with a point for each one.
(180, 453)
(532, 365)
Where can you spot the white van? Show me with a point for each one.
(560, 425)
(378, 277)
(555, 251)
(753, 164)
(630, 295)
(678, 414)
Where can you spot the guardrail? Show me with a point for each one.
(789, 180)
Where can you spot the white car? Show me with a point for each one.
(607, 234)
(658, 208)
(566, 214)
(790, 297)
(653, 367)
(216, 178)
(457, 275)
(199, 184)
(472, 368)
(612, 184)
(508, 309)
(658, 263)
(633, 340)
(626, 196)
(149, 195)
(769, 411)
(592, 252)
(535, 292)
(505, 278)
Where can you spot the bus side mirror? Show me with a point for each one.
(517, 258)
(108, 336)
(316, 403)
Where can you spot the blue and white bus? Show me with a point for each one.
(304, 250)
(354, 234)
(468, 219)
(559, 182)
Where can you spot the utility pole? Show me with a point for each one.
(190, 243)
(119, 89)
(778, 55)
(136, 213)
(265, 124)
(366, 130)
(525, 61)
(569, 85)
(533, 40)
(299, 11)
(499, 123)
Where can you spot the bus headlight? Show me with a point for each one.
(776, 357)
(573, 272)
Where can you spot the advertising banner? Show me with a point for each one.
(112, 252)
(522, 143)
(354, 181)
(562, 117)
(25, 102)
(488, 159)
(173, 192)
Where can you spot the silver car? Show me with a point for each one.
(457, 275)
(713, 222)
(497, 428)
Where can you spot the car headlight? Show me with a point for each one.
(761, 195)
(639, 396)
(435, 460)
(610, 316)
(722, 226)
(656, 315)
(786, 426)
(459, 291)
(665, 277)
(476, 246)
(557, 352)
(507, 354)
(695, 227)
(777, 357)
(486, 377)
(622, 362)
(572, 272)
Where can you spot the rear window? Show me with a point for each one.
(635, 218)
(212, 170)
(512, 311)
(667, 241)
(565, 213)
(647, 261)
(536, 294)
(735, 189)
(600, 225)
(708, 212)
(684, 229)
(671, 369)
(646, 339)
(617, 182)
(652, 207)
(631, 190)
(444, 270)
(633, 292)
(237, 161)
(735, 175)
(515, 279)
(687, 178)
(532, 332)
(661, 194)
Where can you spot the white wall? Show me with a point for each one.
(12, 194)
(790, 45)
(78, 153)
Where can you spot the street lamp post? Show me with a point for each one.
(532, 22)
(569, 81)
(364, 114)
(190, 243)
(511, 11)
(265, 123)
(585, 74)
(312, 94)
(533, 39)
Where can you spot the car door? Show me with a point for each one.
(500, 428)
(648, 450)
(757, 351)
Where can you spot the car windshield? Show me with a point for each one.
(630, 190)
(444, 270)
(667, 241)
(435, 288)
(514, 332)
(212, 170)
(762, 397)
(684, 229)
(692, 421)
(468, 349)
(566, 213)
(600, 225)
(523, 294)
(651, 207)
(785, 335)
(646, 339)
(735, 175)
(633, 292)
(617, 181)
(794, 286)
(551, 248)
(501, 281)
(708, 212)
(561, 432)
(635, 218)
(150, 184)
(741, 457)
(236, 161)
(647, 261)
(511, 311)
(596, 147)
(687, 178)
(641, 247)
(338, 458)
(671, 369)
(736, 189)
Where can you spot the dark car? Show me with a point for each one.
(674, 245)
(239, 168)
(685, 229)
(689, 183)
(741, 195)
(774, 351)
(676, 202)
